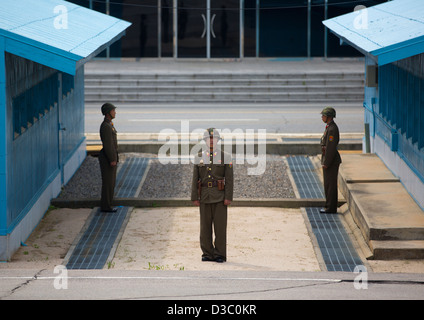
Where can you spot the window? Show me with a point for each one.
(33, 104)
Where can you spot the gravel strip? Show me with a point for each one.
(174, 180)
(86, 182)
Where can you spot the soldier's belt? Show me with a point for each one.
(215, 183)
(210, 184)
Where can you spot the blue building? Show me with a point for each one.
(391, 36)
(43, 47)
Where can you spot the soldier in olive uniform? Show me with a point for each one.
(212, 190)
(108, 157)
(330, 159)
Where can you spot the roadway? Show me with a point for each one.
(274, 118)
(213, 285)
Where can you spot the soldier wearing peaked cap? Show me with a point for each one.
(108, 157)
(330, 159)
(212, 190)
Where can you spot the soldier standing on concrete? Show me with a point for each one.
(330, 160)
(108, 157)
(212, 190)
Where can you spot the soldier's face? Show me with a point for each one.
(211, 142)
(113, 114)
(324, 118)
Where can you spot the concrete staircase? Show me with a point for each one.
(224, 87)
(390, 221)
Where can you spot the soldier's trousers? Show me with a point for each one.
(330, 187)
(213, 214)
(108, 182)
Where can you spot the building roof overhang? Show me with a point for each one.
(387, 32)
(57, 33)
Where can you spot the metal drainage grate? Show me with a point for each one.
(95, 245)
(334, 243)
(94, 248)
(304, 174)
(129, 177)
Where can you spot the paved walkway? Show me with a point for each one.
(401, 220)
(231, 66)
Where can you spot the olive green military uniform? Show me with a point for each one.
(108, 154)
(210, 167)
(332, 160)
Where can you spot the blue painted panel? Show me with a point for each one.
(32, 157)
(3, 162)
(421, 115)
(400, 97)
(412, 156)
(72, 113)
(400, 114)
(41, 56)
(383, 130)
(34, 154)
(33, 104)
(400, 52)
(68, 84)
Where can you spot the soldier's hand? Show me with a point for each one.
(324, 166)
(227, 202)
(196, 203)
(113, 163)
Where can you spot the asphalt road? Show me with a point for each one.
(294, 119)
(224, 286)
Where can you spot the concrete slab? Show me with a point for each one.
(411, 249)
(358, 168)
(390, 221)
(388, 211)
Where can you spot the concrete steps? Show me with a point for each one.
(223, 87)
(397, 250)
(390, 220)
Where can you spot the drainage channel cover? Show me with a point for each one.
(93, 249)
(335, 245)
(129, 177)
(336, 248)
(304, 174)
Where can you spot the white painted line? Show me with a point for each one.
(169, 278)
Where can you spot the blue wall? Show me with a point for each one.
(3, 162)
(71, 117)
(395, 113)
(38, 98)
(401, 107)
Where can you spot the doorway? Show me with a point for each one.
(208, 29)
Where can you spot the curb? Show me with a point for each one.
(277, 144)
(307, 148)
(177, 202)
